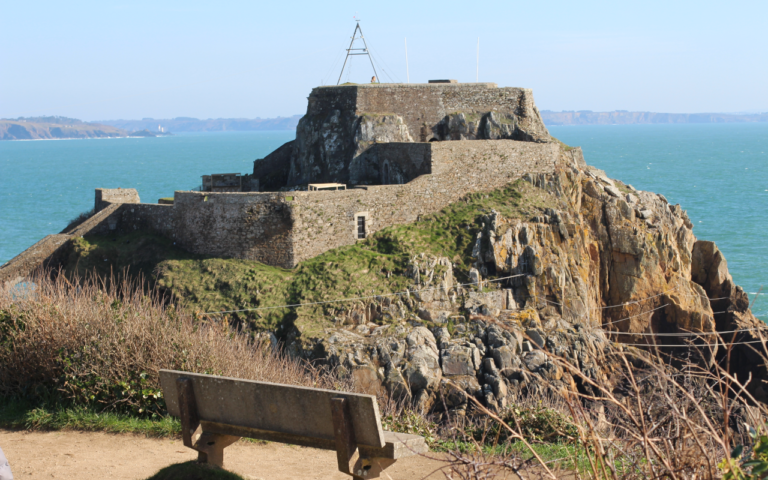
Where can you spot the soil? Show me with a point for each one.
(92, 456)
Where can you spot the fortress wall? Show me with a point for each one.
(404, 162)
(147, 216)
(103, 222)
(326, 220)
(253, 226)
(105, 196)
(48, 252)
(418, 104)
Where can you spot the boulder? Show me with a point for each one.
(422, 369)
(457, 360)
(613, 191)
(396, 385)
(536, 336)
(534, 360)
(503, 356)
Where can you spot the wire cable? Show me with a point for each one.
(692, 346)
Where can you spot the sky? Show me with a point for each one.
(136, 59)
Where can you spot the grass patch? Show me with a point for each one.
(565, 147)
(138, 252)
(16, 414)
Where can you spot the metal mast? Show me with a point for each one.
(364, 51)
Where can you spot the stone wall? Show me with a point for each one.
(253, 226)
(427, 104)
(391, 164)
(151, 217)
(283, 229)
(326, 220)
(105, 196)
(47, 252)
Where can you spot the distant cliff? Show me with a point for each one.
(187, 124)
(621, 117)
(55, 127)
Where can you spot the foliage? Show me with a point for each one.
(537, 423)
(747, 463)
(408, 421)
(101, 345)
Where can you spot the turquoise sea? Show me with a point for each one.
(718, 172)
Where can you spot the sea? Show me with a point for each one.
(717, 172)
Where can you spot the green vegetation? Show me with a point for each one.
(374, 266)
(194, 471)
(565, 147)
(137, 253)
(19, 414)
(748, 463)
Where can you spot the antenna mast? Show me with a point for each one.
(407, 73)
(364, 51)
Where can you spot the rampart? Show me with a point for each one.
(254, 226)
(283, 229)
(326, 220)
(105, 196)
(378, 138)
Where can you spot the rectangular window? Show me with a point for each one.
(360, 227)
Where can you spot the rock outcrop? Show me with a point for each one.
(610, 266)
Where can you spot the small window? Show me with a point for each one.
(360, 227)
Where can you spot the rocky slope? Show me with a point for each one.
(474, 300)
(610, 264)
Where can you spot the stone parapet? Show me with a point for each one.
(105, 196)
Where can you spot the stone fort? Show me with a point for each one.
(392, 152)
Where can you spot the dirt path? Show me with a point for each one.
(92, 456)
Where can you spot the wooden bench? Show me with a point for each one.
(216, 411)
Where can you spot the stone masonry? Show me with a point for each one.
(389, 140)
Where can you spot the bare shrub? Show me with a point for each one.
(102, 343)
(660, 418)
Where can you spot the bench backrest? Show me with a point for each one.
(273, 407)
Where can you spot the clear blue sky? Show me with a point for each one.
(134, 59)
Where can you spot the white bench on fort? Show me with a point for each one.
(216, 411)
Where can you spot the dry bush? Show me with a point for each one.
(688, 421)
(103, 343)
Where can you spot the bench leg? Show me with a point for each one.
(210, 447)
(347, 453)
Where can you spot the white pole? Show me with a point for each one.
(477, 72)
(407, 74)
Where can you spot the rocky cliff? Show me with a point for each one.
(603, 266)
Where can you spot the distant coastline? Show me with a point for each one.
(622, 117)
(59, 128)
(55, 128)
(188, 124)
(64, 128)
